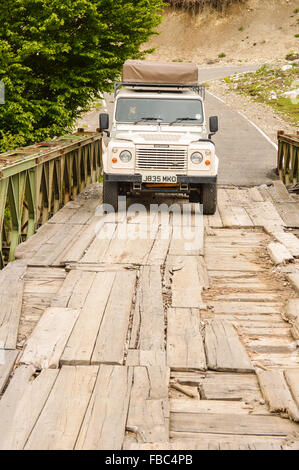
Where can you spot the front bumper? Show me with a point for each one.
(192, 180)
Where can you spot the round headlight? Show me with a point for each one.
(125, 156)
(196, 157)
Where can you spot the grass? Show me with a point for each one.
(268, 85)
(221, 55)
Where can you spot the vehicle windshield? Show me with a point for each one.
(151, 110)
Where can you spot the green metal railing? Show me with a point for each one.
(36, 181)
(288, 157)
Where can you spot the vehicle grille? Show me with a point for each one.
(160, 158)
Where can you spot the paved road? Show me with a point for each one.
(246, 156)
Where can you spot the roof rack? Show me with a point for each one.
(200, 89)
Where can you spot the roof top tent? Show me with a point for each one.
(145, 74)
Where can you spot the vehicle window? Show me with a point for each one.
(163, 110)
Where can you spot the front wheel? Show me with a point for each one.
(208, 198)
(110, 193)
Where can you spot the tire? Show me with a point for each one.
(208, 198)
(110, 193)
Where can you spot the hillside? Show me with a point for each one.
(256, 30)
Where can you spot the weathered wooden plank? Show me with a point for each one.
(209, 441)
(50, 253)
(292, 379)
(131, 243)
(68, 287)
(247, 296)
(81, 342)
(22, 404)
(111, 341)
(99, 246)
(231, 424)
(289, 213)
(279, 192)
(160, 247)
(149, 408)
(232, 261)
(294, 280)
(47, 342)
(246, 308)
(292, 314)
(215, 406)
(11, 294)
(215, 220)
(81, 244)
(288, 239)
(7, 361)
(60, 421)
(185, 349)
(148, 324)
(262, 213)
(187, 281)
(224, 349)
(279, 253)
(105, 420)
(137, 357)
(28, 248)
(276, 393)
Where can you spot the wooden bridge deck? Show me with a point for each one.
(114, 341)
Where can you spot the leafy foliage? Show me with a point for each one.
(56, 55)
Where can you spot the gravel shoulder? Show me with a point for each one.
(260, 114)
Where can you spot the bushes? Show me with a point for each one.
(56, 55)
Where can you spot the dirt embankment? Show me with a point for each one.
(261, 31)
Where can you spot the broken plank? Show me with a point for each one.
(276, 393)
(7, 361)
(185, 349)
(279, 253)
(149, 408)
(148, 323)
(47, 342)
(111, 340)
(20, 411)
(224, 349)
(104, 424)
(59, 423)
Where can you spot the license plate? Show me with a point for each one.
(159, 179)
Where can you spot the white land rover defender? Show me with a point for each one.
(159, 140)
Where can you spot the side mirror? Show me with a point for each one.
(104, 122)
(213, 124)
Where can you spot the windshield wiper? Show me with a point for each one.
(148, 119)
(183, 119)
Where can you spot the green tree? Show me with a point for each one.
(56, 55)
